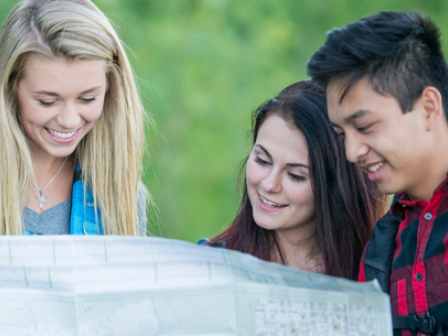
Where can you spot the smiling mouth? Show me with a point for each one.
(61, 135)
(375, 167)
(271, 204)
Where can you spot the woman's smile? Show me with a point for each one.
(267, 205)
(62, 137)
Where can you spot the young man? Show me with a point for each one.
(387, 86)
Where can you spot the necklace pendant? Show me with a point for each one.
(42, 200)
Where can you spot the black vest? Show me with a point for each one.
(380, 251)
(378, 265)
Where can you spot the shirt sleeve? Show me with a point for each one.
(141, 208)
(362, 274)
(203, 241)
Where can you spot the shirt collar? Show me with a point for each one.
(401, 201)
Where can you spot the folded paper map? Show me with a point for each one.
(109, 285)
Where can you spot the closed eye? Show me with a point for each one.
(88, 100)
(46, 102)
(363, 129)
(296, 177)
(261, 161)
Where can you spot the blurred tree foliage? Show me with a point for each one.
(203, 66)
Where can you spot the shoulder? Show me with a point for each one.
(141, 190)
(384, 232)
(378, 252)
(203, 241)
(141, 208)
(207, 242)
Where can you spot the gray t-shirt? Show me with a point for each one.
(56, 220)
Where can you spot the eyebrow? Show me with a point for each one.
(350, 118)
(288, 164)
(356, 115)
(54, 94)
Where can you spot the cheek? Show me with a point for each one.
(254, 175)
(93, 112)
(302, 196)
(32, 115)
(24, 109)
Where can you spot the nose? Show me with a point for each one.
(69, 117)
(355, 148)
(272, 182)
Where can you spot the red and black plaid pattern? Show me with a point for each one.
(419, 277)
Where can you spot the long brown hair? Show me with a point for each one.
(347, 203)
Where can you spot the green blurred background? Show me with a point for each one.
(203, 66)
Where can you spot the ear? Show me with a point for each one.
(431, 101)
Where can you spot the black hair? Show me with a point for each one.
(347, 202)
(398, 52)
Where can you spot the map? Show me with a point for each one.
(109, 285)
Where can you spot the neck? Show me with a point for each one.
(436, 169)
(299, 249)
(426, 193)
(45, 167)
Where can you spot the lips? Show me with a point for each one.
(375, 167)
(62, 137)
(270, 203)
(374, 170)
(268, 206)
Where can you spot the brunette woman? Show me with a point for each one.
(304, 205)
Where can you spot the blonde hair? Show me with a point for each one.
(111, 153)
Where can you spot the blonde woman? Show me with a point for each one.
(72, 134)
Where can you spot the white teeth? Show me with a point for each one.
(269, 203)
(374, 168)
(60, 134)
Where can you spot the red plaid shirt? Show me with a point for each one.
(419, 277)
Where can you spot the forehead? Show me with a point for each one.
(342, 103)
(282, 139)
(35, 61)
(359, 101)
(57, 74)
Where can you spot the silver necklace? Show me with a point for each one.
(42, 199)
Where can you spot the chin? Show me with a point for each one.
(387, 189)
(267, 227)
(62, 153)
(267, 224)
